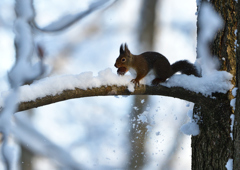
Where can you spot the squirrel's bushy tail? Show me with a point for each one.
(185, 67)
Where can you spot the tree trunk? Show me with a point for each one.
(138, 129)
(236, 132)
(26, 159)
(213, 147)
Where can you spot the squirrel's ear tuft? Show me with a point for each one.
(121, 49)
(126, 49)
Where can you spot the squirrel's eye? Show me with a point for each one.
(123, 59)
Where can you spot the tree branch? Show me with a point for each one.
(68, 20)
(176, 92)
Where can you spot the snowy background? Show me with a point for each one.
(95, 130)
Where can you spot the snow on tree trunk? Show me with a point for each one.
(236, 128)
(213, 147)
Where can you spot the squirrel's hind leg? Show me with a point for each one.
(156, 81)
(162, 70)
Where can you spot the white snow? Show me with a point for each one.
(232, 117)
(233, 104)
(143, 117)
(12, 152)
(234, 91)
(24, 37)
(229, 164)
(61, 23)
(157, 133)
(6, 114)
(198, 2)
(190, 128)
(233, 101)
(211, 80)
(149, 128)
(24, 71)
(55, 85)
(218, 81)
(131, 87)
(20, 72)
(24, 9)
(69, 19)
(210, 22)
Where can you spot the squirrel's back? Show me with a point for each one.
(152, 57)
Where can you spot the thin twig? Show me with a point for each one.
(69, 20)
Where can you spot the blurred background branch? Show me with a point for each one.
(68, 20)
(94, 133)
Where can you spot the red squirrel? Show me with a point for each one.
(147, 61)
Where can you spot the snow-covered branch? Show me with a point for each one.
(59, 88)
(176, 92)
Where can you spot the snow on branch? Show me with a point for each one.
(68, 20)
(60, 88)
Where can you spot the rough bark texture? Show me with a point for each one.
(176, 92)
(213, 147)
(224, 44)
(236, 132)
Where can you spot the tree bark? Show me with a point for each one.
(236, 129)
(213, 147)
(176, 92)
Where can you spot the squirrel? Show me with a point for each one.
(147, 61)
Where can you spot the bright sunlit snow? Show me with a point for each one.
(191, 128)
(210, 22)
(216, 82)
(229, 164)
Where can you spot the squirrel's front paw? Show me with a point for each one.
(135, 82)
